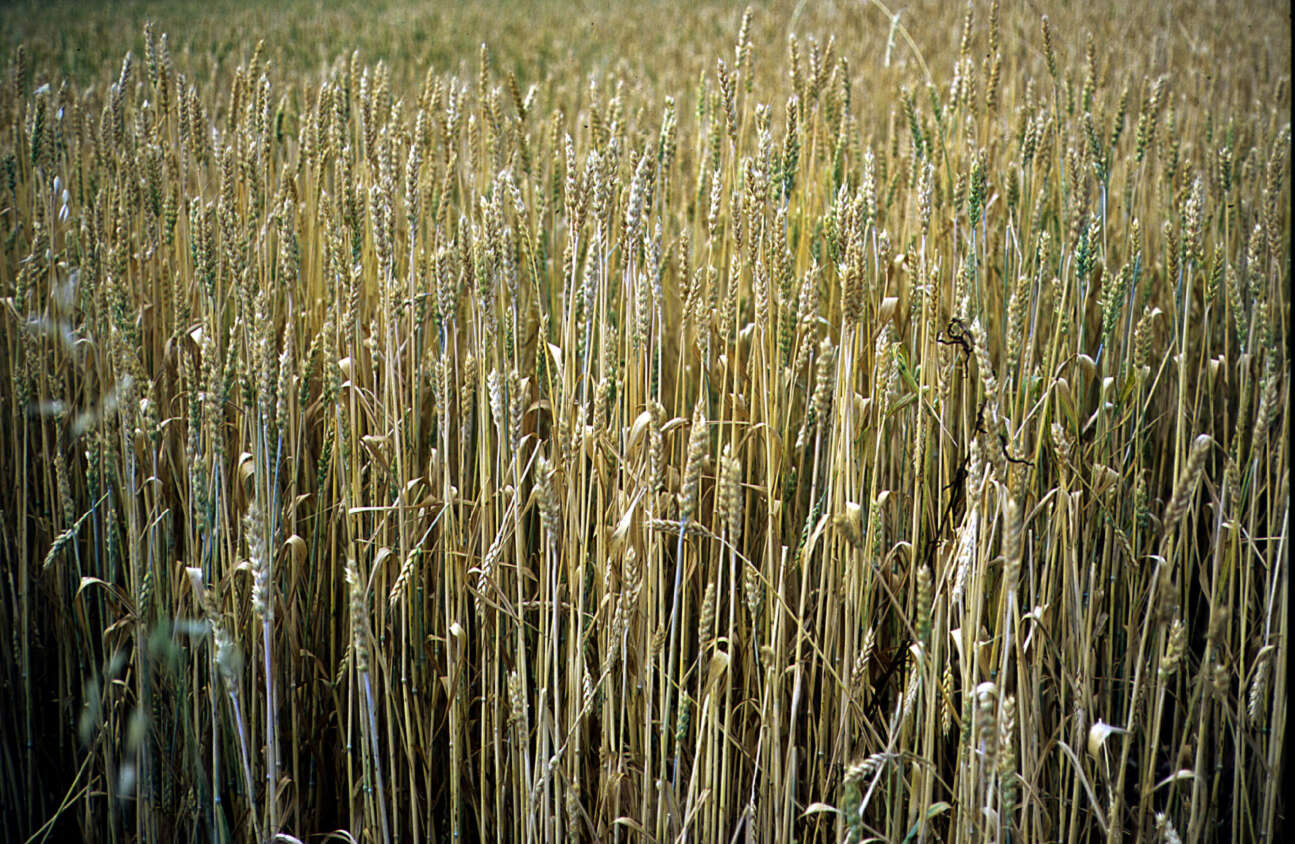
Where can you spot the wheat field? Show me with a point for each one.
(816, 422)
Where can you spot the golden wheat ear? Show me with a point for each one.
(840, 423)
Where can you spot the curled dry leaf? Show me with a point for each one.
(1098, 733)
